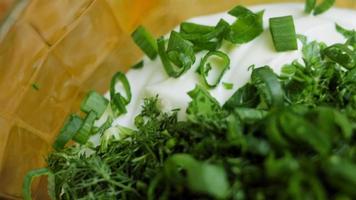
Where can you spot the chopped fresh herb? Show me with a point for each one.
(309, 6)
(35, 86)
(287, 136)
(323, 7)
(205, 37)
(317, 9)
(215, 59)
(268, 85)
(118, 100)
(145, 41)
(178, 57)
(283, 33)
(68, 131)
(247, 27)
(84, 131)
(94, 102)
(138, 65)
(228, 86)
(37, 173)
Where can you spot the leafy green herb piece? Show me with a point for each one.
(212, 59)
(145, 41)
(84, 132)
(342, 55)
(119, 101)
(201, 177)
(246, 96)
(268, 86)
(247, 27)
(29, 178)
(180, 51)
(94, 102)
(323, 7)
(68, 131)
(178, 57)
(138, 65)
(228, 86)
(205, 37)
(317, 9)
(190, 28)
(283, 33)
(35, 86)
(309, 6)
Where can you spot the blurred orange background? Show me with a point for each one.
(68, 47)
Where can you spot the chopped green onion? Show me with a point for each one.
(268, 85)
(188, 27)
(180, 51)
(26, 188)
(204, 40)
(309, 6)
(106, 125)
(171, 70)
(118, 101)
(283, 33)
(345, 32)
(323, 6)
(228, 86)
(205, 66)
(246, 96)
(35, 86)
(94, 102)
(84, 132)
(145, 41)
(247, 27)
(179, 56)
(341, 54)
(68, 131)
(240, 11)
(138, 65)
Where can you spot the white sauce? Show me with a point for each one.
(152, 79)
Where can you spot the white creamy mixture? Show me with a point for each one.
(152, 79)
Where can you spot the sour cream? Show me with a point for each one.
(152, 80)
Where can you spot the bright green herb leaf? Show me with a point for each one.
(283, 33)
(84, 132)
(221, 60)
(94, 102)
(145, 41)
(68, 131)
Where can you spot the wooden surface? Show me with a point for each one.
(68, 47)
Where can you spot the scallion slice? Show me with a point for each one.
(266, 81)
(188, 27)
(119, 101)
(138, 65)
(68, 131)
(323, 6)
(26, 188)
(206, 66)
(309, 6)
(94, 102)
(247, 27)
(178, 57)
(228, 86)
(84, 132)
(145, 41)
(208, 38)
(180, 51)
(240, 11)
(342, 55)
(283, 33)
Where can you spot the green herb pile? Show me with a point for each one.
(287, 136)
